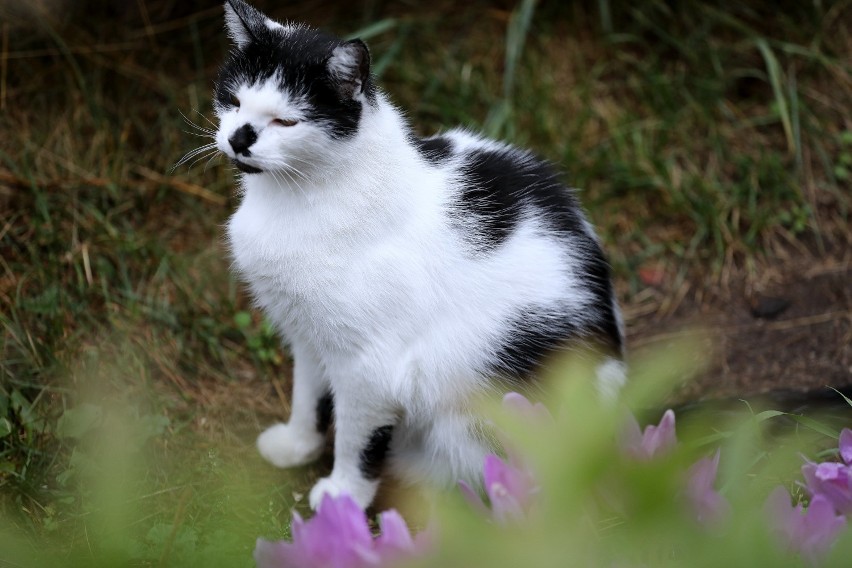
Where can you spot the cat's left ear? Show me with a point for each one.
(243, 22)
(349, 66)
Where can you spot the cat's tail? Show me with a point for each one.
(611, 375)
(611, 372)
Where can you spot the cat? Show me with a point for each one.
(407, 275)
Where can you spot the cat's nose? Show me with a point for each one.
(242, 138)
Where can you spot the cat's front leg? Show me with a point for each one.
(302, 439)
(364, 426)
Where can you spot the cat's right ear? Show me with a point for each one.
(242, 21)
(349, 66)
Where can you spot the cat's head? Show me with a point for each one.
(287, 92)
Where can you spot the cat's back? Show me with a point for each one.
(496, 187)
(527, 240)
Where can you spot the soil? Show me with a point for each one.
(783, 328)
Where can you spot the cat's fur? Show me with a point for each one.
(407, 275)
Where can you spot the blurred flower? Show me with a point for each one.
(846, 446)
(831, 479)
(709, 506)
(653, 442)
(338, 536)
(510, 488)
(520, 405)
(811, 533)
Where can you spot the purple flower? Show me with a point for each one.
(520, 405)
(810, 534)
(709, 506)
(510, 489)
(846, 446)
(831, 479)
(338, 536)
(510, 486)
(653, 442)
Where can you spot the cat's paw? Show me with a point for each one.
(285, 446)
(361, 491)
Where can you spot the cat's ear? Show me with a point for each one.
(243, 22)
(349, 66)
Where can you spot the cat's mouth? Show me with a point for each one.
(245, 168)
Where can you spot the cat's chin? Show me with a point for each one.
(245, 168)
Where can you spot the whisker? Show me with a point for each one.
(192, 153)
(210, 135)
(198, 159)
(199, 113)
(210, 159)
(197, 126)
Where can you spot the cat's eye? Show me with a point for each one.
(285, 122)
(234, 100)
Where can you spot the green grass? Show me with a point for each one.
(698, 133)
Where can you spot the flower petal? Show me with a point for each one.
(507, 487)
(659, 439)
(280, 554)
(822, 527)
(846, 446)
(785, 520)
(709, 506)
(654, 441)
(830, 471)
(631, 439)
(337, 535)
(831, 480)
(513, 479)
(519, 404)
(473, 498)
(395, 540)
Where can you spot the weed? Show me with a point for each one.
(693, 131)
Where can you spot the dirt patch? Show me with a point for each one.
(783, 327)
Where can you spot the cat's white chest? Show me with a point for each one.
(315, 271)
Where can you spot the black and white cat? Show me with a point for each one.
(407, 275)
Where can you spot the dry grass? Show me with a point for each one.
(707, 142)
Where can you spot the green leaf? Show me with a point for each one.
(816, 426)
(846, 398)
(78, 421)
(374, 29)
(773, 69)
(242, 320)
(22, 408)
(153, 425)
(5, 427)
(767, 414)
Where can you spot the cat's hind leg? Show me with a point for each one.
(301, 440)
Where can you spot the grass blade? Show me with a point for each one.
(774, 71)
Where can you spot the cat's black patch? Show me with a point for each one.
(531, 341)
(298, 59)
(325, 411)
(434, 150)
(534, 339)
(605, 333)
(502, 185)
(374, 453)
